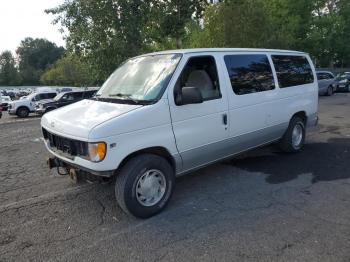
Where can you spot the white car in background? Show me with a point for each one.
(4, 101)
(23, 107)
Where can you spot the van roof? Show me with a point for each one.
(201, 50)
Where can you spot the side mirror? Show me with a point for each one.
(190, 95)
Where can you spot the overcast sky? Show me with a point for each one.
(26, 18)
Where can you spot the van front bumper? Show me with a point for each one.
(11, 111)
(54, 162)
(59, 160)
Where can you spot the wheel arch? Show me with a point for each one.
(157, 150)
(302, 115)
(23, 106)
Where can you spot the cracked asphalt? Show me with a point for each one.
(261, 206)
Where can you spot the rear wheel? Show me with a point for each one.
(144, 185)
(330, 91)
(294, 138)
(22, 112)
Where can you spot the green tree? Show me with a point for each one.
(235, 23)
(35, 56)
(8, 72)
(106, 32)
(329, 35)
(68, 71)
(175, 16)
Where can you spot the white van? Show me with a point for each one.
(164, 114)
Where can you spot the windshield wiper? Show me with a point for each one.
(127, 96)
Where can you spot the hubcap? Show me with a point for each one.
(297, 135)
(150, 187)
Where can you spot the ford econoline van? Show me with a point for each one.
(164, 114)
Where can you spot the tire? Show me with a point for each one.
(329, 91)
(22, 112)
(133, 178)
(287, 143)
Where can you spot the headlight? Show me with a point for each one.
(97, 151)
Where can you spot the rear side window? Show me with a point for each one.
(78, 95)
(249, 73)
(292, 70)
(51, 95)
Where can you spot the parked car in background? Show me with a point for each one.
(4, 101)
(327, 83)
(343, 82)
(24, 106)
(63, 99)
(165, 114)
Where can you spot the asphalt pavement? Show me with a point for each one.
(260, 206)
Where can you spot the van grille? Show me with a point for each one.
(65, 145)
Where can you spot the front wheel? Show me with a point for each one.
(294, 138)
(22, 112)
(144, 185)
(330, 91)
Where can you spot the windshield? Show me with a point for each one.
(140, 79)
(344, 76)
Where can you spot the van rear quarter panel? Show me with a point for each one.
(294, 99)
(257, 111)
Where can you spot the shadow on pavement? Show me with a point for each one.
(325, 161)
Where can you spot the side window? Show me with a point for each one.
(249, 73)
(78, 95)
(200, 72)
(43, 96)
(330, 76)
(51, 95)
(68, 97)
(89, 94)
(322, 76)
(292, 70)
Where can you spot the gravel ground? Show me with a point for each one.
(261, 206)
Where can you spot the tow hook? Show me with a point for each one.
(74, 175)
(52, 162)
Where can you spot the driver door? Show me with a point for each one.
(200, 129)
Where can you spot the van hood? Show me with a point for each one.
(78, 119)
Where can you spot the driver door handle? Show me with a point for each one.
(224, 119)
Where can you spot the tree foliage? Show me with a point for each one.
(35, 56)
(68, 71)
(104, 33)
(320, 27)
(107, 32)
(8, 72)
